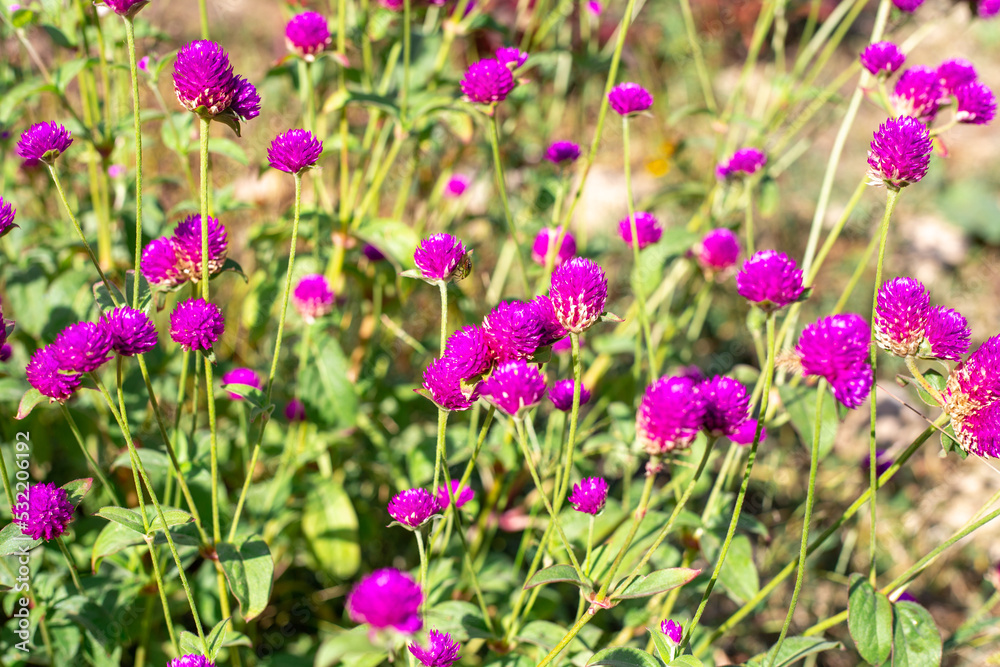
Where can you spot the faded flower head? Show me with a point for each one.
(543, 242)
(513, 330)
(770, 279)
(44, 375)
(196, 324)
(187, 247)
(836, 348)
(900, 153)
(441, 651)
(561, 394)
(727, 405)
(126, 8)
(313, 297)
(975, 103)
(579, 292)
(82, 347)
(629, 98)
(514, 387)
(159, 263)
(901, 311)
(918, 93)
(589, 495)
(307, 34)
(132, 332)
(469, 352)
(245, 376)
(7, 213)
(442, 258)
(955, 73)
(562, 151)
(487, 81)
(670, 415)
(387, 598)
(43, 511)
(511, 56)
(744, 162)
(203, 77)
(674, 631)
(462, 494)
(191, 660)
(294, 151)
(413, 507)
(43, 142)
(443, 381)
(718, 250)
(648, 229)
(882, 58)
(946, 335)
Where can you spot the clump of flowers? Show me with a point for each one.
(43, 143)
(561, 395)
(918, 93)
(744, 162)
(670, 415)
(204, 83)
(560, 152)
(552, 331)
(196, 324)
(975, 103)
(727, 405)
(487, 81)
(245, 376)
(456, 186)
(673, 630)
(512, 57)
(387, 598)
(648, 229)
(191, 660)
(295, 411)
(543, 243)
(514, 387)
(628, 99)
(900, 153)
(43, 511)
(836, 348)
(882, 58)
(579, 292)
(171, 261)
(718, 250)
(131, 331)
(955, 73)
(469, 352)
(44, 375)
(443, 384)
(770, 279)
(441, 651)
(313, 297)
(294, 151)
(307, 35)
(413, 507)
(442, 258)
(589, 495)
(513, 330)
(907, 325)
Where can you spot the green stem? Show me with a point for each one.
(404, 94)
(494, 132)
(203, 15)
(90, 459)
(699, 57)
(70, 564)
(423, 566)
(911, 364)
(443, 286)
(590, 546)
(574, 419)
(8, 491)
(130, 39)
(640, 294)
(440, 455)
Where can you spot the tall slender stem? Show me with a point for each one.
(574, 419)
(130, 39)
(423, 565)
(494, 132)
(203, 17)
(405, 93)
(78, 436)
(70, 564)
(440, 455)
(640, 294)
(443, 286)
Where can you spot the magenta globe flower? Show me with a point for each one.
(43, 142)
(579, 292)
(387, 598)
(191, 660)
(294, 151)
(727, 405)
(543, 243)
(513, 330)
(204, 79)
(514, 388)
(552, 331)
(589, 495)
(744, 162)
(241, 376)
(43, 511)
(196, 324)
(836, 348)
(975, 104)
(971, 398)
(126, 8)
(312, 297)
(900, 153)
(908, 6)
(946, 335)
(443, 384)
(187, 247)
(770, 279)
(413, 507)
(44, 375)
(441, 651)
(988, 8)
(295, 411)
(132, 332)
(487, 81)
(673, 631)
(647, 228)
(746, 433)
(442, 258)
(562, 151)
(512, 57)
(561, 395)
(628, 99)
(670, 415)
(469, 352)
(159, 264)
(918, 93)
(901, 311)
(954, 73)
(456, 186)
(82, 347)
(307, 34)
(462, 494)
(882, 58)
(7, 213)
(718, 250)
(246, 103)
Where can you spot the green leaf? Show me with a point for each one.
(254, 396)
(78, 489)
(547, 634)
(191, 644)
(22, 17)
(231, 265)
(685, 661)
(115, 537)
(792, 651)
(623, 656)
(13, 541)
(123, 516)
(249, 571)
(331, 527)
(229, 148)
(869, 620)
(801, 405)
(132, 519)
(463, 620)
(103, 297)
(659, 581)
(549, 575)
(663, 647)
(331, 401)
(63, 76)
(31, 398)
(739, 574)
(916, 641)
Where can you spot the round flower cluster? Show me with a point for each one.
(196, 324)
(512, 57)
(191, 660)
(307, 35)
(294, 151)
(514, 388)
(244, 376)
(7, 213)
(562, 151)
(487, 81)
(543, 243)
(205, 84)
(441, 651)
(43, 142)
(836, 348)
(882, 58)
(906, 324)
(770, 279)
(921, 92)
(313, 297)
(442, 258)
(43, 511)
(589, 495)
(462, 495)
(170, 261)
(900, 153)
(561, 395)
(972, 398)
(387, 598)
(648, 229)
(413, 507)
(744, 162)
(628, 99)
(718, 250)
(126, 8)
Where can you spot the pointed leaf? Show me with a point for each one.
(869, 620)
(13, 541)
(663, 647)
(553, 574)
(254, 396)
(792, 651)
(623, 656)
(31, 398)
(916, 641)
(123, 516)
(685, 661)
(657, 582)
(191, 644)
(331, 528)
(249, 571)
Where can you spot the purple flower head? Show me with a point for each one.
(988, 8)
(116, 171)
(727, 405)
(770, 279)
(718, 250)
(5, 352)
(975, 103)
(143, 64)
(241, 376)
(561, 395)
(387, 598)
(514, 387)
(562, 151)
(372, 253)
(579, 292)
(883, 461)
(670, 415)
(196, 324)
(900, 153)
(543, 242)
(918, 93)
(43, 511)
(443, 381)
(487, 81)
(246, 102)
(468, 351)
(946, 335)
(629, 98)
(902, 308)
(82, 347)
(882, 58)
(7, 213)
(294, 151)
(442, 258)
(673, 631)
(463, 494)
(648, 229)
(187, 247)
(955, 73)
(564, 345)
(295, 411)
(44, 375)
(513, 330)
(159, 263)
(589, 495)
(203, 77)
(313, 297)
(307, 34)
(974, 388)
(511, 56)
(43, 142)
(908, 6)
(441, 650)
(552, 330)
(745, 434)
(854, 385)
(132, 332)
(836, 348)
(191, 660)
(126, 8)
(744, 162)
(456, 186)
(413, 507)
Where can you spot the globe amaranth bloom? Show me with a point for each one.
(245, 376)
(971, 398)
(126, 8)
(547, 236)
(513, 330)
(629, 98)
(882, 58)
(579, 292)
(159, 264)
(918, 93)
(746, 433)
(196, 324)
(727, 405)
(44, 375)
(901, 311)
(462, 494)
(443, 384)
(589, 495)
(900, 153)
(975, 103)
(745, 162)
(7, 213)
(186, 242)
(988, 8)
(561, 394)
(670, 415)
(908, 6)
(43, 142)
(836, 348)
(295, 411)
(442, 258)
(946, 335)
(718, 250)
(954, 73)
(469, 352)
(132, 332)
(191, 660)
(552, 330)
(246, 103)
(82, 347)
(487, 81)
(413, 507)
(43, 511)
(205, 83)
(5, 352)
(674, 631)
(441, 651)
(313, 297)
(511, 56)
(307, 34)
(514, 387)
(456, 186)
(648, 229)
(387, 598)
(562, 151)
(372, 253)
(294, 151)
(771, 279)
